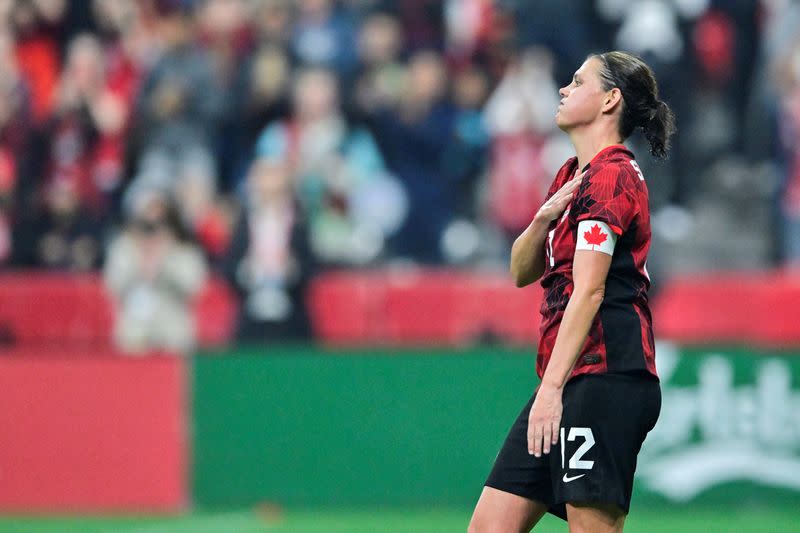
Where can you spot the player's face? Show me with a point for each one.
(582, 99)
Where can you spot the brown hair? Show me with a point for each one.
(641, 106)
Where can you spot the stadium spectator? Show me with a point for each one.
(85, 134)
(413, 136)
(196, 198)
(128, 44)
(188, 174)
(464, 159)
(7, 179)
(260, 98)
(422, 22)
(272, 19)
(380, 79)
(153, 271)
(789, 86)
(61, 235)
(36, 25)
(519, 118)
(331, 163)
(470, 26)
(181, 95)
(224, 33)
(542, 24)
(16, 133)
(270, 260)
(180, 103)
(323, 36)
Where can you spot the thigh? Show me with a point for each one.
(605, 421)
(499, 511)
(517, 472)
(595, 518)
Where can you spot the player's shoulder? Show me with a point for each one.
(619, 167)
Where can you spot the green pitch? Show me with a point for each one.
(685, 520)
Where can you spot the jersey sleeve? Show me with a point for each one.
(606, 196)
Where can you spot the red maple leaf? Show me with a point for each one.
(595, 237)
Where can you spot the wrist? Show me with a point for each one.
(541, 220)
(552, 384)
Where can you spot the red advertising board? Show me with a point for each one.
(92, 433)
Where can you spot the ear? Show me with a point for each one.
(613, 98)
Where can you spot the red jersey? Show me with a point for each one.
(620, 339)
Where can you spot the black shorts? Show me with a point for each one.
(604, 422)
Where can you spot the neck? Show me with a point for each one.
(588, 144)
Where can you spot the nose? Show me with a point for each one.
(562, 92)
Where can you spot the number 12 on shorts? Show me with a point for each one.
(576, 462)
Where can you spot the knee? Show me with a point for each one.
(593, 518)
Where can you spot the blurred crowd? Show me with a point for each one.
(163, 141)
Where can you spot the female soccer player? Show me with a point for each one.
(572, 450)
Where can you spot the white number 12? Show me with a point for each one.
(575, 461)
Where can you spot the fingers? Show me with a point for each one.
(542, 436)
(568, 187)
(534, 433)
(562, 196)
(546, 437)
(535, 430)
(531, 426)
(565, 199)
(574, 183)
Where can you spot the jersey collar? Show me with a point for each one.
(607, 153)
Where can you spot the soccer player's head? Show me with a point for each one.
(619, 88)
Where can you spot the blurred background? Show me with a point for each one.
(253, 257)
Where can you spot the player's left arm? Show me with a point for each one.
(589, 271)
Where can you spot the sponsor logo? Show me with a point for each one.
(719, 428)
(567, 478)
(592, 359)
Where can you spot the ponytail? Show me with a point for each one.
(641, 107)
(658, 129)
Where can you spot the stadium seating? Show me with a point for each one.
(411, 308)
(44, 309)
(748, 307)
(456, 308)
(421, 307)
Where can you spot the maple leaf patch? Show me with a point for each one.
(595, 236)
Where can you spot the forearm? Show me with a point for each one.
(528, 254)
(575, 325)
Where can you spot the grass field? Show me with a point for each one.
(687, 520)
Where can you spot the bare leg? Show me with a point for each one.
(502, 512)
(594, 518)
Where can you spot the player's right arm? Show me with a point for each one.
(528, 250)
